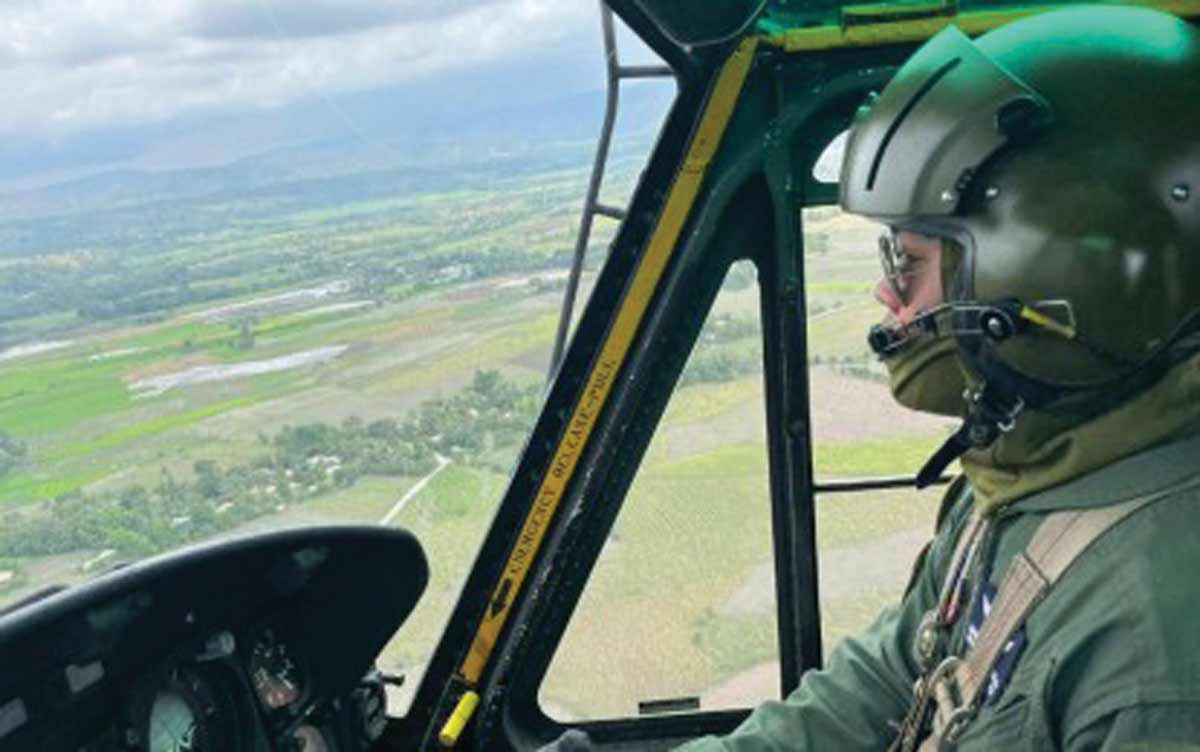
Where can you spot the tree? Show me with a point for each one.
(245, 337)
(208, 478)
(486, 383)
(12, 452)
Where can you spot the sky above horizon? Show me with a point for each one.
(71, 67)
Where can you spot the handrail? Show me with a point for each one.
(591, 204)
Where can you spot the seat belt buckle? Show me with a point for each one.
(952, 712)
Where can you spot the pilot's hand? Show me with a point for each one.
(571, 741)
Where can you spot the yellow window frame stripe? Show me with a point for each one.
(972, 23)
(612, 355)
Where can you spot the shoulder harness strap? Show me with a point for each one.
(957, 683)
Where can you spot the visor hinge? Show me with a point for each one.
(1001, 321)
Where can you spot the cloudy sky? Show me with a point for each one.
(70, 68)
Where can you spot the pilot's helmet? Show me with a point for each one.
(1059, 158)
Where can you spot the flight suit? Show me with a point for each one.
(1111, 657)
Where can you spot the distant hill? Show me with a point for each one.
(377, 150)
(468, 115)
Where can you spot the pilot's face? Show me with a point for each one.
(912, 280)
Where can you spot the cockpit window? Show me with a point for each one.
(692, 545)
(273, 265)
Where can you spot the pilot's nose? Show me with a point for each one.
(887, 297)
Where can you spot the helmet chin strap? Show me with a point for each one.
(990, 414)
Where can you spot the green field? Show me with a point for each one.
(221, 406)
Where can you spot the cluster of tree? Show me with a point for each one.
(716, 358)
(12, 452)
(719, 366)
(721, 354)
(99, 304)
(302, 462)
(726, 327)
(154, 273)
(863, 366)
(102, 286)
(381, 278)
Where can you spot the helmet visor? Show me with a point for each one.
(911, 151)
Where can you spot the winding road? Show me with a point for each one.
(416, 489)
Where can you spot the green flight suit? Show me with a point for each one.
(1112, 659)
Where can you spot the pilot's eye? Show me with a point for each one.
(908, 264)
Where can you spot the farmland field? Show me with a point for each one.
(379, 358)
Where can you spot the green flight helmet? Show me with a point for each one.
(1061, 154)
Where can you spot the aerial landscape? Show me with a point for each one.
(332, 333)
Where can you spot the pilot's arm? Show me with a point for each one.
(1169, 727)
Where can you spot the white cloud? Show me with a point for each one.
(70, 65)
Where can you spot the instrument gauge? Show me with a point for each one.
(173, 724)
(185, 709)
(276, 677)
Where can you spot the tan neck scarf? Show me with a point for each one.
(1044, 450)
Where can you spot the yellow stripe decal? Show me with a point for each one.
(878, 33)
(1046, 322)
(612, 353)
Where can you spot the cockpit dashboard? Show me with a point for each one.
(257, 643)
